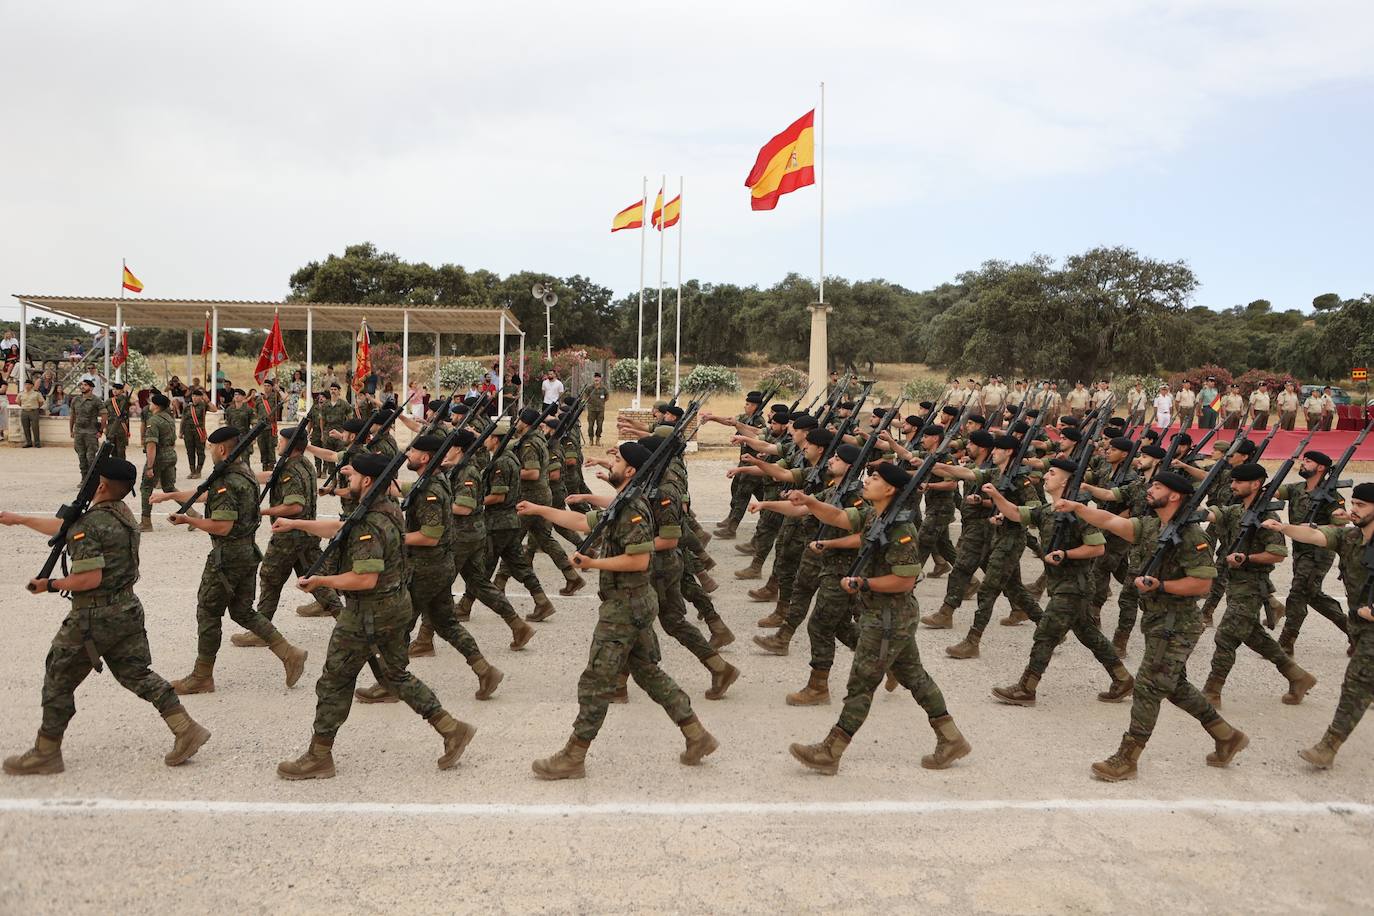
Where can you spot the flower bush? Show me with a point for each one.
(138, 372)
(710, 380)
(460, 373)
(623, 375)
(923, 389)
(793, 381)
(1121, 386)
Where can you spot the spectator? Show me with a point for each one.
(59, 405)
(1164, 407)
(295, 395)
(75, 352)
(46, 383)
(9, 349)
(551, 388)
(178, 392)
(31, 405)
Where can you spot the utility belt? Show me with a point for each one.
(98, 599)
(354, 602)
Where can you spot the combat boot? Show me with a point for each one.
(966, 647)
(1121, 765)
(705, 537)
(500, 580)
(423, 643)
(543, 608)
(727, 533)
(248, 640)
(1015, 618)
(1288, 643)
(574, 583)
(950, 744)
(753, 571)
(194, 475)
(746, 550)
(1211, 691)
(462, 610)
(377, 693)
(1322, 755)
(316, 763)
(1120, 640)
(707, 583)
(723, 674)
(566, 764)
(720, 633)
(766, 592)
(188, 736)
(292, 658)
(890, 682)
(700, 743)
(200, 680)
(1230, 742)
(775, 643)
(1022, 693)
(1037, 588)
(313, 609)
(1299, 682)
(774, 619)
(708, 562)
(823, 757)
(621, 694)
(971, 592)
(521, 633)
(943, 619)
(815, 693)
(1274, 610)
(456, 737)
(942, 568)
(489, 677)
(1122, 686)
(43, 759)
(146, 523)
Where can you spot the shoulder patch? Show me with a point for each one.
(1202, 546)
(221, 490)
(904, 540)
(78, 536)
(364, 537)
(666, 502)
(637, 519)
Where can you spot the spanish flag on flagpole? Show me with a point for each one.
(671, 212)
(632, 217)
(658, 210)
(131, 283)
(785, 164)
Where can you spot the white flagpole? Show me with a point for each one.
(677, 337)
(820, 180)
(658, 334)
(639, 362)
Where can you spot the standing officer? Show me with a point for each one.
(31, 403)
(1286, 403)
(117, 419)
(1185, 402)
(160, 455)
(596, 394)
(267, 408)
(193, 430)
(230, 575)
(105, 622)
(85, 426)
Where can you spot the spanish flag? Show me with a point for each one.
(632, 217)
(132, 283)
(784, 164)
(667, 215)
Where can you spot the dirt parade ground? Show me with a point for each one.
(1016, 827)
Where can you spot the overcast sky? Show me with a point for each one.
(219, 147)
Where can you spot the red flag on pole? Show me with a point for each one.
(273, 351)
(364, 359)
(205, 341)
(121, 353)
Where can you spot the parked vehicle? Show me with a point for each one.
(1339, 395)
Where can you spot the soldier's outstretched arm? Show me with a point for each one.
(575, 521)
(320, 528)
(323, 453)
(179, 496)
(1300, 533)
(598, 500)
(43, 524)
(1123, 528)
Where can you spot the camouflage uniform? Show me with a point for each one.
(770, 522)
(832, 619)
(596, 411)
(193, 433)
(86, 410)
(105, 622)
(1310, 566)
(1245, 593)
(331, 416)
(1357, 690)
(534, 455)
(374, 625)
(743, 487)
(231, 568)
(292, 551)
(1115, 563)
(117, 423)
(624, 634)
(504, 526)
(432, 568)
(160, 429)
(934, 532)
(471, 556)
(1003, 574)
(265, 408)
(666, 569)
(975, 544)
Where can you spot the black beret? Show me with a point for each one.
(1153, 451)
(1073, 434)
(529, 416)
(458, 410)
(893, 474)
(354, 425)
(1150, 434)
(651, 441)
(568, 399)
(1175, 481)
(117, 386)
(112, 468)
(1122, 444)
(223, 434)
(846, 405)
(1249, 471)
(369, 465)
(1064, 465)
(1006, 442)
(634, 454)
(782, 409)
(428, 443)
(951, 410)
(1116, 421)
(1320, 458)
(927, 405)
(1021, 428)
(977, 418)
(913, 420)
(660, 406)
(982, 438)
(934, 429)
(1069, 420)
(464, 439)
(1246, 448)
(821, 437)
(1364, 492)
(673, 410)
(335, 385)
(551, 421)
(879, 411)
(754, 397)
(1184, 440)
(1034, 412)
(847, 453)
(803, 421)
(161, 400)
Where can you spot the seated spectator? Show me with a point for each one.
(75, 352)
(59, 405)
(9, 350)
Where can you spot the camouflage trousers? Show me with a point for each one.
(765, 534)
(266, 451)
(869, 669)
(692, 592)
(431, 597)
(472, 561)
(1116, 564)
(290, 552)
(119, 637)
(1240, 625)
(970, 554)
(164, 476)
(672, 610)
(506, 550)
(228, 586)
(348, 652)
(806, 580)
(87, 444)
(1163, 673)
(537, 533)
(831, 621)
(1357, 690)
(791, 544)
(195, 452)
(624, 638)
(1066, 614)
(933, 539)
(119, 440)
(743, 488)
(1309, 570)
(1003, 577)
(595, 423)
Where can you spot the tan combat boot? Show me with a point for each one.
(726, 533)
(573, 583)
(489, 677)
(774, 619)
(823, 757)
(621, 694)
(1211, 690)
(707, 583)
(520, 634)
(247, 640)
(815, 693)
(753, 571)
(1299, 682)
(543, 608)
(146, 523)
(746, 550)
(720, 633)
(1230, 742)
(500, 580)
(775, 643)
(943, 619)
(200, 680)
(723, 674)
(456, 737)
(313, 609)
(1120, 640)
(1122, 686)
(942, 568)
(43, 759)
(950, 744)
(1321, 755)
(377, 693)
(890, 682)
(966, 647)
(566, 764)
(1122, 764)
(766, 592)
(292, 658)
(971, 592)
(1022, 693)
(316, 763)
(1276, 609)
(700, 743)
(189, 736)
(1288, 643)
(423, 643)
(1015, 618)
(462, 608)
(1037, 588)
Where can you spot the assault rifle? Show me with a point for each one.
(1080, 455)
(244, 446)
(1328, 491)
(1196, 450)
(1260, 449)
(297, 437)
(815, 473)
(1007, 484)
(380, 423)
(756, 419)
(852, 477)
(500, 447)
(570, 417)
(436, 462)
(379, 487)
(836, 398)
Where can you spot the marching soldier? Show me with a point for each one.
(768, 490)
(160, 455)
(105, 622)
(505, 534)
(239, 413)
(743, 487)
(975, 538)
(535, 531)
(267, 407)
(85, 426)
(596, 395)
(117, 419)
(1311, 562)
(193, 430)
(330, 421)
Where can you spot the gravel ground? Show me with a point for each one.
(1017, 827)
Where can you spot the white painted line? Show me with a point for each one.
(1222, 806)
